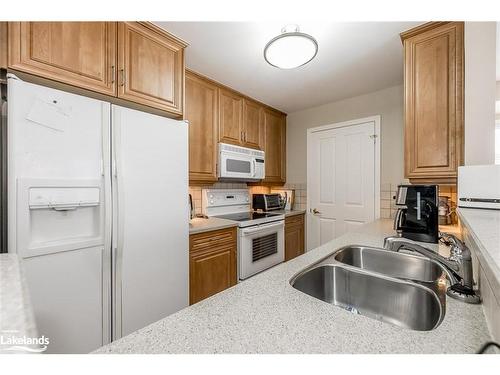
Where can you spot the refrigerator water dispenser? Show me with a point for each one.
(58, 215)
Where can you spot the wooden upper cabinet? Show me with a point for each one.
(202, 114)
(82, 54)
(230, 117)
(3, 45)
(252, 118)
(434, 87)
(150, 66)
(274, 140)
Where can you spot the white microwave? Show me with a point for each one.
(240, 163)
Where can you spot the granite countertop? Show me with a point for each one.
(288, 213)
(200, 225)
(16, 313)
(264, 314)
(485, 228)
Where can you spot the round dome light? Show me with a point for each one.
(290, 49)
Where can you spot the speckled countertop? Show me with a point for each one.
(200, 225)
(16, 313)
(266, 315)
(290, 212)
(485, 227)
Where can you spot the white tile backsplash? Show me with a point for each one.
(195, 192)
(388, 207)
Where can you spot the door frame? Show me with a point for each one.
(376, 119)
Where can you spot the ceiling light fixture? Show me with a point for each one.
(291, 48)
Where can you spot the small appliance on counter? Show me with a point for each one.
(287, 197)
(267, 202)
(444, 210)
(479, 186)
(417, 216)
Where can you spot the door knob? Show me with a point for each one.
(315, 211)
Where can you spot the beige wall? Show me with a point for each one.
(388, 103)
(480, 92)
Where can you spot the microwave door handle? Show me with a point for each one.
(254, 166)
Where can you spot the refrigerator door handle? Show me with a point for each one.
(117, 226)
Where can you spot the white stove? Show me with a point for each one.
(260, 234)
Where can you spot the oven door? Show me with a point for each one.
(260, 247)
(234, 165)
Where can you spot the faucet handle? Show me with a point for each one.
(458, 247)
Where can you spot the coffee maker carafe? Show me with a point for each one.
(417, 215)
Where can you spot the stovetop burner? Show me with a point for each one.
(247, 216)
(234, 204)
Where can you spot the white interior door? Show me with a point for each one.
(151, 218)
(342, 178)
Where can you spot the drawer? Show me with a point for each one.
(209, 240)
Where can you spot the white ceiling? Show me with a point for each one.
(354, 58)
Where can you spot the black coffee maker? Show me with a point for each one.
(417, 216)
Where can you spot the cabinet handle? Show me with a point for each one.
(243, 136)
(122, 75)
(112, 74)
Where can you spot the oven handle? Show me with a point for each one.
(263, 227)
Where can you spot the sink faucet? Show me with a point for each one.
(458, 267)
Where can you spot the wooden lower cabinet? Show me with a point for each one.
(294, 236)
(212, 263)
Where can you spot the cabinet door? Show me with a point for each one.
(274, 127)
(230, 121)
(82, 54)
(212, 263)
(150, 66)
(3, 45)
(294, 237)
(252, 118)
(211, 273)
(434, 103)
(202, 114)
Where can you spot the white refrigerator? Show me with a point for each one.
(97, 211)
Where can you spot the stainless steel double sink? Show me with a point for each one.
(402, 289)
